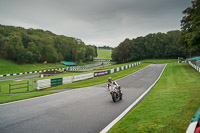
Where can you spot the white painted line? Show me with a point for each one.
(109, 126)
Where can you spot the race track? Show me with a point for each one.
(84, 110)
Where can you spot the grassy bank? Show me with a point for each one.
(159, 61)
(170, 105)
(19, 96)
(7, 67)
(104, 54)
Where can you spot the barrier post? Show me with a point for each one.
(9, 88)
(28, 86)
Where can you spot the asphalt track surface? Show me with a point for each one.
(84, 110)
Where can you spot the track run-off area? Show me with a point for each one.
(85, 110)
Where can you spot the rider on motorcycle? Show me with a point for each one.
(112, 84)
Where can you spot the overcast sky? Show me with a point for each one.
(98, 22)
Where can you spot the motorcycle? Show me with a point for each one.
(116, 93)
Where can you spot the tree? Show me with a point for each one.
(36, 45)
(3, 47)
(190, 25)
(90, 52)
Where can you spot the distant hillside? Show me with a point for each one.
(36, 45)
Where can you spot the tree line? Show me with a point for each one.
(173, 44)
(152, 46)
(36, 45)
(105, 47)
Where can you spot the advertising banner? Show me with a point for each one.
(101, 73)
(82, 77)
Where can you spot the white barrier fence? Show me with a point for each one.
(82, 77)
(67, 80)
(45, 83)
(194, 66)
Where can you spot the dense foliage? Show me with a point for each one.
(31, 46)
(152, 46)
(190, 23)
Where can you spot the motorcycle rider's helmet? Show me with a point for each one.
(110, 79)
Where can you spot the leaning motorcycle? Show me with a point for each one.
(116, 94)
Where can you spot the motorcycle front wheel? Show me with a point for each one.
(114, 97)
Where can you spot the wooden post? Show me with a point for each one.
(28, 86)
(9, 88)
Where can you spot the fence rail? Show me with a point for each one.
(21, 87)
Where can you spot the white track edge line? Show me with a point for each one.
(60, 92)
(109, 126)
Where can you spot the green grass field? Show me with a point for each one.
(157, 61)
(8, 67)
(169, 107)
(104, 54)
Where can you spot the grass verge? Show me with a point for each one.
(159, 61)
(9, 67)
(169, 107)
